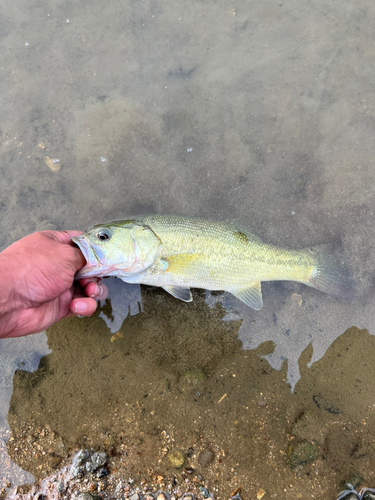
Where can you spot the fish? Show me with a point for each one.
(178, 253)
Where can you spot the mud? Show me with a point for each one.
(155, 388)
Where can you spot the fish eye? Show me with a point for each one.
(104, 234)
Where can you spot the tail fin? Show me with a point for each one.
(330, 276)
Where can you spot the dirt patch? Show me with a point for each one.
(174, 382)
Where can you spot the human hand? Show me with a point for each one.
(38, 288)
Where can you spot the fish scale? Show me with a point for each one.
(179, 253)
(224, 251)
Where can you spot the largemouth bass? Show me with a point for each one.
(178, 253)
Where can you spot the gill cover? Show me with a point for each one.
(119, 248)
(146, 248)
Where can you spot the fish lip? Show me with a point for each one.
(93, 266)
(85, 248)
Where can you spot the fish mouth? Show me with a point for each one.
(93, 267)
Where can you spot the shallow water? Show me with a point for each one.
(261, 113)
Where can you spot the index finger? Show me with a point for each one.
(70, 234)
(66, 237)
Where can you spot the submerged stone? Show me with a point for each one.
(301, 454)
(206, 457)
(80, 458)
(176, 459)
(97, 460)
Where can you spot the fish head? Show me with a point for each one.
(119, 248)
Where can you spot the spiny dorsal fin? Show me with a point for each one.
(179, 292)
(251, 295)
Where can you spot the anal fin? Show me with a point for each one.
(179, 292)
(251, 295)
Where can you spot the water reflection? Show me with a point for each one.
(123, 300)
(15, 354)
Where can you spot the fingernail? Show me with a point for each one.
(98, 291)
(80, 307)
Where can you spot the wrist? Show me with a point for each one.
(8, 295)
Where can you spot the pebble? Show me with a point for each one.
(53, 164)
(149, 496)
(96, 461)
(176, 459)
(204, 491)
(161, 495)
(63, 484)
(206, 457)
(80, 458)
(302, 453)
(101, 473)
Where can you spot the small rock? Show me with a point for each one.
(81, 458)
(97, 460)
(77, 471)
(204, 492)
(162, 495)
(260, 494)
(101, 473)
(301, 454)
(176, 459)
(354, 480)
(85, 496)
(53, 163)
(195, 374)
(120, 489)
(61, 487)
(192, 380)
(149, 496)
(78, 468)
(178, 492)
(206, 457)
(60, 447)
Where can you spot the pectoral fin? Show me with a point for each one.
(183, 263)
(179, 292)
(251, 295)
